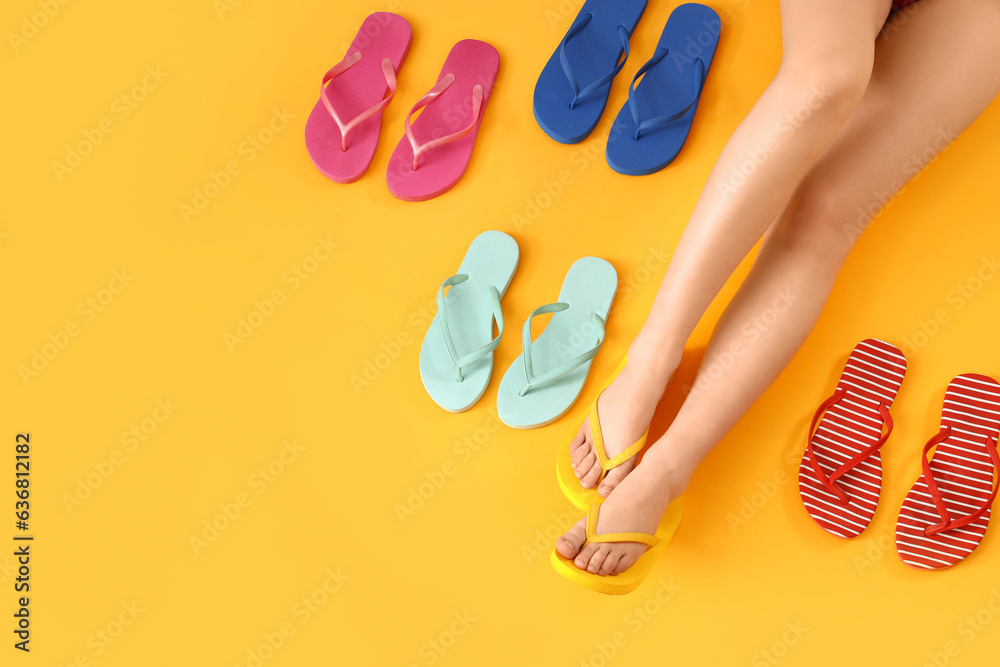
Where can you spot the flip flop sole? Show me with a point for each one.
(491, 260)
(472, 63)
(964, 474)
(691, 32)
(873, 373)
(382, 35)
(593, 53)
(589, 288)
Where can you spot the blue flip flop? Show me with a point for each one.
(456, 357)
(543, 383)
(652, 126)
(573, 88)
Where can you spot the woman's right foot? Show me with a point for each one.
(637, 505)
(625, 409)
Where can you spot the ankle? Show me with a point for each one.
(653, 358)
(670, 468)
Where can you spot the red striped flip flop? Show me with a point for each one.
(840, 477)
(945, 514)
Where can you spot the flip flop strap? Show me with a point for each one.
(449, 343)
(564, 368)
(666, 119)
(435, 92)
(592, 536)
(602, 455)
(591, 88)
(947, 523)
(349, 61)
(831, 482)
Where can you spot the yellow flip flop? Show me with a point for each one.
(629, 580)
(579, 496)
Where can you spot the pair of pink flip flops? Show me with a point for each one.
(343, 128)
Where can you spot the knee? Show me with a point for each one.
(827, 82)
(818, 226)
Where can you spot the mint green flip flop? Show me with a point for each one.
(543, 383)
(456, 357)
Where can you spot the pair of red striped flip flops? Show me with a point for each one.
(945, 515)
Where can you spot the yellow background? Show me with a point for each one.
(469, 548)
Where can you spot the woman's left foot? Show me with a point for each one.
(636, 505)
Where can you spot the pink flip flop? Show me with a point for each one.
(433, 155)
(357, 89)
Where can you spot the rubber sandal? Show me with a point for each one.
(840, 476)
(629, 580)
(653, 125)
(342, 130)
(568, 481)
(945, 515)
(435, 151)
(574, 85)
(456, 357)
(547, 378)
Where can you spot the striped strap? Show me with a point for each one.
(592, 536)
(831, 482)
(947, 523)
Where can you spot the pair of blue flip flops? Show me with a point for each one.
(651, 128)
(456, 357)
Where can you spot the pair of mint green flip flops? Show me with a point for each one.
(456, 358)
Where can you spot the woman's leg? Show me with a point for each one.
(914, 95)
(824, 71)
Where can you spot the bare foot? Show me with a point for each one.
(636, 505)
(625, 408)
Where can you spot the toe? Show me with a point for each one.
(581, 454)
(590, 478)
(597, 560)
(586, 553)
(610, 562)
(569, 544)
(585, 464)
(627, 560)
(614, 477)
